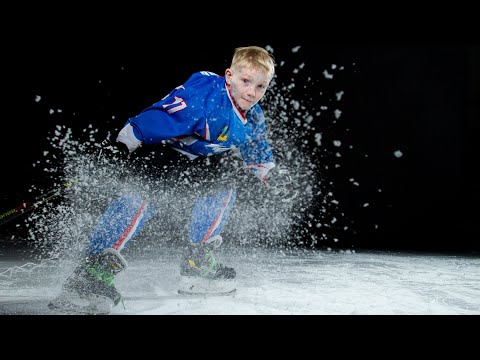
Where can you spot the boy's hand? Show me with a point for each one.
(280, 184)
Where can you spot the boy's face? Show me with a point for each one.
(247, 85)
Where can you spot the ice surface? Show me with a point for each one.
(270, 282)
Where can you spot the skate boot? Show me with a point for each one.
(202, 274)
(90, 289)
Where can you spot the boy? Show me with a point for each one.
(207, 115)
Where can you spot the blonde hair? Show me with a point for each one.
(255, 57)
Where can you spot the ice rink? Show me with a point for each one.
(270, 282)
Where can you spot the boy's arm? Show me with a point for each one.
(176, 115)
(257, 155)
(258, 159)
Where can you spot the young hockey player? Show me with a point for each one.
(207, 115)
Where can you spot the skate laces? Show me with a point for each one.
(202, 262)
(101, 274)
(212, 265)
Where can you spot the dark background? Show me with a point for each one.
(422, 99)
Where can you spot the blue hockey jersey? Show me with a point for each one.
(200, 118)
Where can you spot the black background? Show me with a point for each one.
(420, 98)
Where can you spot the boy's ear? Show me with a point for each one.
(228, 75)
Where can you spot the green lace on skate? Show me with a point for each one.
(100, 274)
(212, 263)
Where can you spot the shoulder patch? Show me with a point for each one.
(224, 134)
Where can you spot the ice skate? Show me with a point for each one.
(90, 289)
(202, 274)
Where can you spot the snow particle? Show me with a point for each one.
(327, 75)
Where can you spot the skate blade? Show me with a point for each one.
(190, 293)
(190, 285)
(73, 304)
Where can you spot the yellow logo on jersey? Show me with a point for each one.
(224, 134)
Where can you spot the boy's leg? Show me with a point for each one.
(122, 220)
(93, 279)
(199, 265)
(210, 214)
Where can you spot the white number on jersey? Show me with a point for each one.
(177, 105)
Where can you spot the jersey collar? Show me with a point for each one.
(240, 113)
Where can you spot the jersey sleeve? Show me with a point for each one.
(179, 114)
(257, 154)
